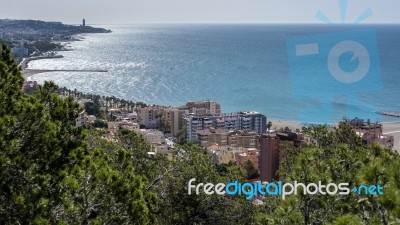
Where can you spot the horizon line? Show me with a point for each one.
(217, 22)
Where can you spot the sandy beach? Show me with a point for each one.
(389, 128)
(278, 124)
(30, 72)
(26, 72)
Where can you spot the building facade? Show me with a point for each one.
(269, 157)
(244, 139)
(212, 136)
(244, 121)
(172, 120)
(202, 107)
(150, 116)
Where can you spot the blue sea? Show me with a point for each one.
(241, 66)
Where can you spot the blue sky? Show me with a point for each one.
(197, 11)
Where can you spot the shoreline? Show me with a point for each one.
(388, 128)
(27, 73)
(282, 123)
(25, 61)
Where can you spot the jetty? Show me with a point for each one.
(30, 72)
(389, 113)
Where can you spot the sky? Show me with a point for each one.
(198, 11)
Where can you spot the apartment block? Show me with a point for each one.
(169, 119)
(173, 120)
(211, 136)
(253, 121)
(269, 157)
(202, 107)
(245, 121)
(195, 123)
(271, 152)
(244, 139)
(149, 116)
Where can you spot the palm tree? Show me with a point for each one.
(269, 125)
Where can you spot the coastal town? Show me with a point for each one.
(246, 138)
(40, 39)
(72, 157)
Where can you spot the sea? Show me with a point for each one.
(244, 67)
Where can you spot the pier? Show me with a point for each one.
(30, 72)
(388, 113)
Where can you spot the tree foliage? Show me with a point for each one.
(251, 172)
(338, 156)
(178, 207)
(52, 172)
(37, 142)
(93, 108)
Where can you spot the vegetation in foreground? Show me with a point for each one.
(52, 172)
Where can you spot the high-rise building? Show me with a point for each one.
(271, 153)
(172, 121)
(195, 123)
(253, 121)
(245, 121)
(269, 157)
